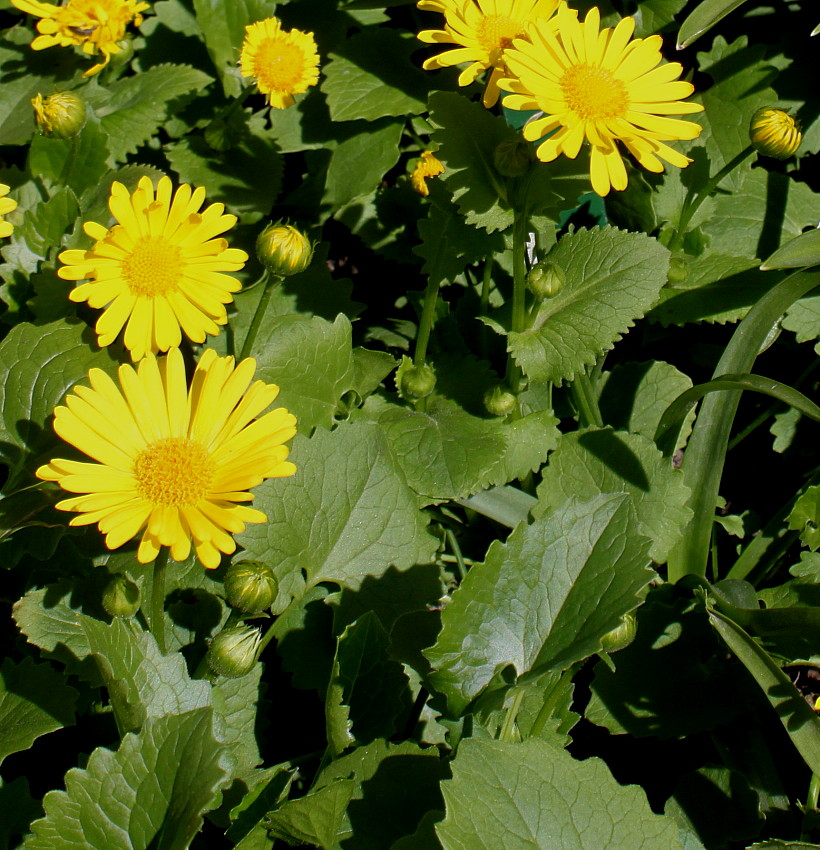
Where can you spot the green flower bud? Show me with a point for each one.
(121, 597)
(621, 636)
(124, 55)
(546, 279)
(250, 586)
(499, 401)
(416, 381)
(513, 159)
(232, 652)
(678, 270)
(773, 132)
(61, 115)
(283, 250)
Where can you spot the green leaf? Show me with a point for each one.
(445, 452)
(236, 701)
(34, 700)
(346, 514)
(703, 17)
(530, 794)
(78, 163)
(803, 250)
(370, 368)
(311, 361)
(224, 28)
(590, 462)
(247, 181)
(507, 505)
(598, 303)
(653, 16)
(315, 818)
(529, 440)
(805, 517)
(17, 810)
(367, 690)
(370, 76)
(132, 109)
(142, 683)
(543, 599)
(151, 793)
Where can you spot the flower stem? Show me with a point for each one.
(691, 207)
(519, 303)
(584, 395)
(269, 283)
(428, 313)
(157, 616)
(507, 730)
(814, 793)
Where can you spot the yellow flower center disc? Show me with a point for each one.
(495, 34)
(173, 471)
(593, 92)
(278, 64)
(153, 267)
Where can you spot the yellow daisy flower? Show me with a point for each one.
(7, 205)
(159, 271)
(427, 166)
(283, 63)
(599, 85)
(94, 25)
(484, 29)
(170, 461)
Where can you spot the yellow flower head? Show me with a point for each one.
(159, 271)
(603, 86)
(774, 132)
(170, 461)
(62, 114)
(483, 29)
(427, 166)
(94, 25)
(7, 205)
(283, 63)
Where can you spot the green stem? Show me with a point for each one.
(157, 616)
(508, 729)
(269, 283)
(690, 208)
(551, 702)
(461, 569)
(814, 793)
(584, 395)
(428, 314)
(705, 455)
(519, 303)
(484, 303)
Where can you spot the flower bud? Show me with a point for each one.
(232, 652)
(415, 381)
(678, 269)
(124, 53)
(121, 597)
(250, 586)
(427, 165)
(512, 159)
(546, 279)
(283, 250)
(621, 636)
(499, 401)
(773, 132)
(61, 115)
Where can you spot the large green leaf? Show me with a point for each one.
(598, 303)
(315, 818)
(543, 599)
(151, 793)
(44, 226)
(703, 17)
(370, 76)
(347, 513)
(237, 701)
(803, 250)
(34, 700)
(530, 794)
(78, 163)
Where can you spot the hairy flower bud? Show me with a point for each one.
(513, 159)
(283, 250)
(250, 586)
(499, 401)
(232, 652)
(61, 115)
(621, 636)
(546, 279)
(121, 597)
(773, 132)
(414, 381)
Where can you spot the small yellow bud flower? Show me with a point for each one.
(283, 250)
(426, 166)
(773, 132)
(62, 114)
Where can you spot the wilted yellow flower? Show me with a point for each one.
(427, 166)
(159, 271)
(170, 461)
(483, 29)
(7, 205)
(282, 63)
(774, 132)
(62, 114)
(603, 86)
(283, 249)
(94, 25)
